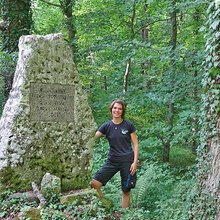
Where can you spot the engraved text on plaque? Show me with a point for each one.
(52, 102)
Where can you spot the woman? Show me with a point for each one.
(120, 133)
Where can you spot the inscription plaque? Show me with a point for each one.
(52, 102)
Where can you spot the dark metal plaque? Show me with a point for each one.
(52, 102)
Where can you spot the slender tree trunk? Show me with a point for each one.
(170, 117)
(145, 38)
(194, 119)
(67, 8)
(128, 65)
(145, 30)
(127, 71)
(196, 18)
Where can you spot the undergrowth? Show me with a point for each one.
(162, 192)
(11, 207)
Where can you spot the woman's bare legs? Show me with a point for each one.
(125, 199)
(96, 185)
(125, 195)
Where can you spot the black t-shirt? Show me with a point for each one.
(119, 138)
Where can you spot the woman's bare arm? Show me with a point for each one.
(136, 152)
(98, 134)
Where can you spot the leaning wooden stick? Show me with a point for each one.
(39, 194)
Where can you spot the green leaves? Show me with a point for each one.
(215, 24)
(107, 38)
(204, 196)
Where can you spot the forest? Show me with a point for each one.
(162, 58)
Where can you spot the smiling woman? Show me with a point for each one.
(120, 134)
(117, 110)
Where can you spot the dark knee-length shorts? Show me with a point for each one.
(110, 168)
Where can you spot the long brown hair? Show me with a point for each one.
(122, 103)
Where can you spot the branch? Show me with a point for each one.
(148, 24)
(162, 139)
(38, 194)
(49, 3)
(118, 26)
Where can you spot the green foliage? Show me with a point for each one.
(181, 157)
(16, 19)
(100, 154)
(47, 19)
(7, 67)
(160, 188)
(149, 82)
(108, 39)
(205, 203)
(52, 197)
(163, 191)
(175, 207)
(10, 207)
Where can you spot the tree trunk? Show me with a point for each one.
(170, 116)
(206, 203)
(67, 9)
(17, 21)
(145, 37)
(209, 165)
(196, 18)
(125, 84)
(213, 180)
(128, 66)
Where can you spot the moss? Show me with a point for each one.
(70, 199)
(51, 165)
(32, 214)
(20, 178)
(82, 196)
(11, 178)
(50, 185)
(77, 183)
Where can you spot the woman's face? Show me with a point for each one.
(117, 110)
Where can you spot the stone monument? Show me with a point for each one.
(47, 124)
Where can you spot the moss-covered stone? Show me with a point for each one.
(86, 196)
(68, 199)
(28, 147)
(32, 214)
(12, 179)
(75, 183)
(50, 185)
(80, 196)
(26, 197)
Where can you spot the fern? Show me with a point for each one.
(143, 184)
(141, 189)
